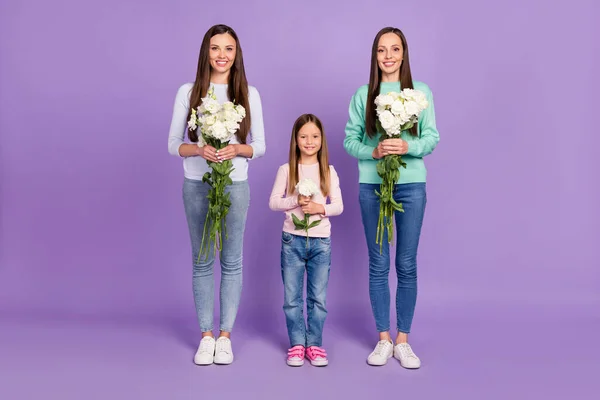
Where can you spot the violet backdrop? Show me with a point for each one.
(92, 224)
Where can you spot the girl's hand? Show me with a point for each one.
(313, 208)
(395, 146)
(303, 200)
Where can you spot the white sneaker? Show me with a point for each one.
(408, 359)
(382, 353)
(206, 351)
(223, 352)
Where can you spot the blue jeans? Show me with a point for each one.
(196, 207)
(413, 197)
(315, 259)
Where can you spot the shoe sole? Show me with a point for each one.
(295, 363)
(376, 364)
(319, 363)
(223, 362)
(203, 363)
(379, 365)
(406, 366)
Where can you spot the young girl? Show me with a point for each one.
(390, 71)
(220, 66)
(308, 159)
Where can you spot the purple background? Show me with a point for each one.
(95, 273)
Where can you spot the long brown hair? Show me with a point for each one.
(237, 89)
(322, 155)
(406, 81)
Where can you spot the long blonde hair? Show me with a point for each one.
(322, 155)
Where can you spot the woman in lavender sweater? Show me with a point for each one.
(221, 67)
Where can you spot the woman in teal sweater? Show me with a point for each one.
(390, 71)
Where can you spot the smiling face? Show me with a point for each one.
(389, 56)
(308, 140)
(222, 52)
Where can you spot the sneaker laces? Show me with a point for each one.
(222, 346)
(205, 346)
(407, 351)
(381, 347)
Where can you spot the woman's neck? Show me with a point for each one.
(219, 78)
(395, 77)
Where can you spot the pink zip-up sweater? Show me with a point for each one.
(282, 201)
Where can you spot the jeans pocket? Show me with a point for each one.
(286, 238)
(325, 240)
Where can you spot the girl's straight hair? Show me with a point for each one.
(322, 155)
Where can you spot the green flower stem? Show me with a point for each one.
(388, 168)
(218, 203)
(304, 224)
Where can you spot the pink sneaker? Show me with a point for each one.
(296, 356)
(317, 356)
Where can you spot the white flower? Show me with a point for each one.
(422, 102)
(404, 117)
(234, 114)
(240, 116)
(415, 96)
(307, 187)
(229, 115)
(395, 129)
(398, 107)
(412, 108)
(232, 126)
(228, 106)
(219, 131)
(210, 120)
(407, 93)
(384, 100)
(192, 123)
(211, 105)
(241, 111)
(387, 120)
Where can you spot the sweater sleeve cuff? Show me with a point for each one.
(294, 202)
(366, 153)
(413, 149)
(177, 148)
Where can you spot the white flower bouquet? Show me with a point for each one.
(396, 112)
(217, 124)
